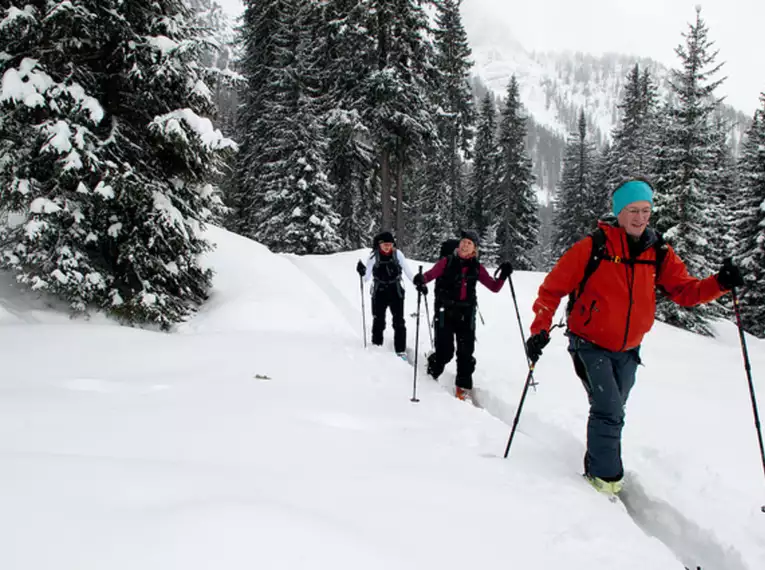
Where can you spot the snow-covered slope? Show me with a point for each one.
(261, 434)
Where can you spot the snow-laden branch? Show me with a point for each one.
(171, 125)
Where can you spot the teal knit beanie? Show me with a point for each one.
(629, 192)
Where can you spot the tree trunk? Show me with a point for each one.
(400, 237)
(385, 203)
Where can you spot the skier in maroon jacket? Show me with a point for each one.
(456, 277)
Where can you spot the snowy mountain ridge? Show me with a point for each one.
(554, 86)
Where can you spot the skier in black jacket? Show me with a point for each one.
(455, 307)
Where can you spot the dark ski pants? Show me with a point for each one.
(450, 324)
(608, 378)
(391, 297)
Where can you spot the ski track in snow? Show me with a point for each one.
(349, 312)
(695, 547)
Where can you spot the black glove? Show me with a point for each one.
(505, 270)
(535, 344)
(360, 269)
(419, 285)
(729, 276)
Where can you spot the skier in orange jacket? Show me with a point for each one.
(613, 308)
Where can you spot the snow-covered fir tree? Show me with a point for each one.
(455, 101)
(430, 222)
(107, 155)
(686, 169)
(635, 140)
(724, 187)
(291, 201)
(518, 222)
(574, 215)
(220, 59)
(482, 200)
(345, 51)
(490, 247)
(398, 104)
(438, 179)
(750, 224)
(261, 22)
(602, 188)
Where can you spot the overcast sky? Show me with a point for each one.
(649, 28)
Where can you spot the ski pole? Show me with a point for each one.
(363, 312)
(748, 369)
(520, 326)
(416, 344)
(518, 316)
(430, 325)
(529, 379)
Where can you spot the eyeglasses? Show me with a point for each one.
(636, 211)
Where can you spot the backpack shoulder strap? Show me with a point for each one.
(597, 254)
(394, 255)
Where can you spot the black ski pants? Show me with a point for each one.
(384, 297)
(456, 322)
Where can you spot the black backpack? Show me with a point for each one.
(448, 246)
(600, 253)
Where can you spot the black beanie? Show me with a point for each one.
(384, 237)
(472, 236)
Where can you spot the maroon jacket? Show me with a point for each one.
(486, 280)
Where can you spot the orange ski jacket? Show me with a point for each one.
(617, 306)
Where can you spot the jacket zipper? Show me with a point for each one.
(630, 286)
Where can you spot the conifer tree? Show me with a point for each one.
(398, 107)
(453, 96)
(432, 222)
(343, 54)
(263, 21)
(635, 139)
(723, 188)
(519, 222)
(481, 212)
(574, 217)
(750, 224)
(602, 187)
(295, 200)
(685, 211)
(108, 155)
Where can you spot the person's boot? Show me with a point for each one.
(433, 367)
(610, 488)
(463, 394)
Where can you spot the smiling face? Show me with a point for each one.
(386, 247)
(634, 217)
(467, 248)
